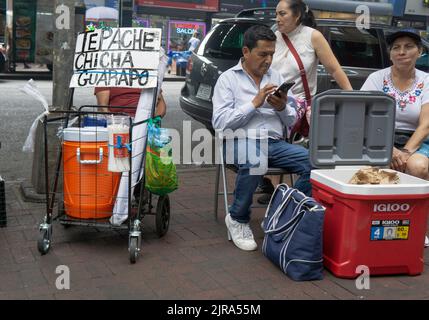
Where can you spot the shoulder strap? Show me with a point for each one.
(301, 68)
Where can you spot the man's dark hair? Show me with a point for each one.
(256, 33)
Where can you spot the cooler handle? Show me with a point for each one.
(100, 160)
(325, 197)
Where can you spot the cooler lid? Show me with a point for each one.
(88, 134)
(351, 128)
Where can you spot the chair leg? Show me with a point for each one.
(225, 189)
(216, 193)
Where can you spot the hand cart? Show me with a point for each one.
(88, 187)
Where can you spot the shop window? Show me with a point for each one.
(179, 33)
(356, 48)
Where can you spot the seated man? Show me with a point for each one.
(243, 99)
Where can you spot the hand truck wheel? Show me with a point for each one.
(162, 215)
(44, 241)
(134, 249)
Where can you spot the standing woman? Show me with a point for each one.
(410, 88)
(299, 48)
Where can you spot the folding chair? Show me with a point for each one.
(222, 168)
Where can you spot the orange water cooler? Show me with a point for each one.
(89, 188)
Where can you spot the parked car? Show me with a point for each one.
(360, 52)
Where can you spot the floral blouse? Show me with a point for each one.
(409, 102)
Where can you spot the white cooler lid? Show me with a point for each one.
(352, 128)
(89, 134)
(338, 180)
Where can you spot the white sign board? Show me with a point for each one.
(416, 8)
(117, 57)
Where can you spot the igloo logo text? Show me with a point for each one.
(391, 207)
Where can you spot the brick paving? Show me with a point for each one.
(193, 261)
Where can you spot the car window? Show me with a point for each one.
(423, 62)
(356, 48)
(226, 41)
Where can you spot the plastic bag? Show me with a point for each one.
(31, 89)
(160, 171)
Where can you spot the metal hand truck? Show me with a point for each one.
(136, 209)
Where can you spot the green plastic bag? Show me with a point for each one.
(160, 171)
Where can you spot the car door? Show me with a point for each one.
(359, 52)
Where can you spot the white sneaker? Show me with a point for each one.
(426, 242)
(240, 234)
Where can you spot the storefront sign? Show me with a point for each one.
(203, 5)
(231, 6)
(118, 57)
(187, 28)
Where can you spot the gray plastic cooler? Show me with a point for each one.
(378, 226)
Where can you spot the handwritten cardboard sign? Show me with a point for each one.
(117, 57)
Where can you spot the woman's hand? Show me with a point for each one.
(399, 159)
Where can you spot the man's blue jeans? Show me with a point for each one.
(281, 154)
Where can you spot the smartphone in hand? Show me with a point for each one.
(285, 86)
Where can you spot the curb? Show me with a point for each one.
(26, 76)
(29, 194)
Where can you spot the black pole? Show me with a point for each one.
(125, 13)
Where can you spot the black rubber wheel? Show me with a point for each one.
(43, 242)
(162, 215)
(134, 250)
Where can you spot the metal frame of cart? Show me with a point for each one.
(142, 208)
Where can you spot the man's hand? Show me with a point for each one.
(279, 103)
(262, 95)
(399, 160)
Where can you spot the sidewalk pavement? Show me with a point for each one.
(194, 260)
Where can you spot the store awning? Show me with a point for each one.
(102, 13)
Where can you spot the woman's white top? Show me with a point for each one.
(408, 103)
(285, 63)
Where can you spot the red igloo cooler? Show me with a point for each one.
(381, 227)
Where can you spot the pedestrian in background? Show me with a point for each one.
(194, 41)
